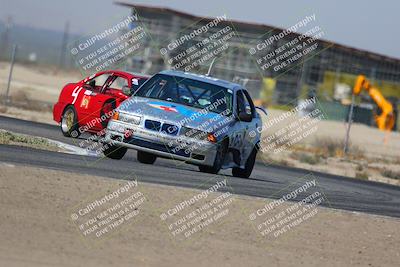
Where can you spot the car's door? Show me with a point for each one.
(238, 128)
(114, 88)
(90, 100)
(251, 135)
(246, 137)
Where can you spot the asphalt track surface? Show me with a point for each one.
(267, 181)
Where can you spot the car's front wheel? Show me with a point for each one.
(219, 159)
(146, 158)
(114, 151)
(246, 172)
(69, 123)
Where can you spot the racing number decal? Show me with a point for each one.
(75, 93)
(237, 140)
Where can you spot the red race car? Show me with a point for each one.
(87, 106)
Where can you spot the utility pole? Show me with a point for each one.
(64, 45)
(5, 38)
(349, 121)
(10, 74)
(300, 79)
(373, 75)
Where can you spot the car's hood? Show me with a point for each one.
(180, 114)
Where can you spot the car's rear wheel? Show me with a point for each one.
(246, 172)
(69, 123)
(219, 159)
(145, 157)
(114, 151)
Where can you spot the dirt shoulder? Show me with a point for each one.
(38, 82)
(29, 115)
(37, 230)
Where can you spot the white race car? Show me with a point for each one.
(198, 119)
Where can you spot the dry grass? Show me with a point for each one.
(263, 157)
(21, 99)
(362, 175)
(8, 138)
(328, 147)
(390, 174)
(19, 96)
(308, 158)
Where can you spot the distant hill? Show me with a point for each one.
(45, 43)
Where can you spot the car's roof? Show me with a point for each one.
(203, 78)
(136, 74)
(127, 73)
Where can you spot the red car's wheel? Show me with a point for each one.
(69, 123)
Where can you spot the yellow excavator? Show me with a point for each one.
(386, 119)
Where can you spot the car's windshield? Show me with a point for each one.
(188, 92)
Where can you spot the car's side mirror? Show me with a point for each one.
(263, 110)
(126, 90)
(136, 83)
(244, 116)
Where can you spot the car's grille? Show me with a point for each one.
(165, 128)
(169, 129)
(156, 146)
(152, 125)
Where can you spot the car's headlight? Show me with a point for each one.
(194, 133)
(129, 118)
(117, 127)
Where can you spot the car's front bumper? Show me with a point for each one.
(176, 147)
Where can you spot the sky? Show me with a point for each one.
(371, 25)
